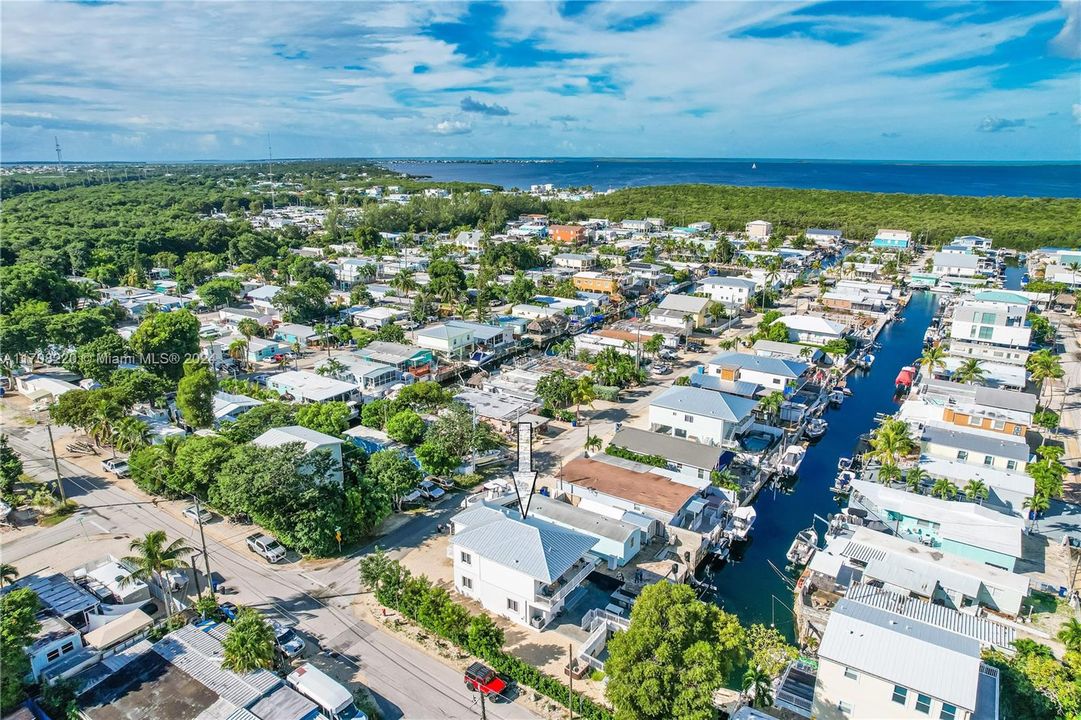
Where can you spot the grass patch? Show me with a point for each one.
(1041, 602)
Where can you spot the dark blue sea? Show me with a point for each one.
(982, 179)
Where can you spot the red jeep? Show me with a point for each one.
(481, 678)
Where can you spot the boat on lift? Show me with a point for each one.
(740, 523)
(865, 361)
(836, 397)
(842, 485)
(844, 463)
(803, 547)
(903, 382)
(816, 428)
(791, 460)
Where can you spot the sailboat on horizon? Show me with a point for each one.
(754, 166)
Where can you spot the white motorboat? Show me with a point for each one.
(740, 523)
(865, 361)
(791, 460)
(844, 463)
(836, 397)
(816, 428)
(843, 484)
(803, 547)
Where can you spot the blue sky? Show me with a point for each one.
(850, 80)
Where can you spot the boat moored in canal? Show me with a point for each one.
(816, 428)
(836, 397)
(740, 523)
(903, 382)
(843, 484)
(865, 361)
(791, 459)
(803, 547)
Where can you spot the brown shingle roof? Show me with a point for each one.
(642, 488)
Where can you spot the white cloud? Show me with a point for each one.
(452, 127)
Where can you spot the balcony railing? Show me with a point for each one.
(565, 587)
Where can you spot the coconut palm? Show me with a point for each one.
(249, 644)
(8, 574)
(404, 282)
(583, 394)
(976, 490)
(770, 406)
(152, 556)
(1070, 634)
(970, 372)
(933, 357)
(759, 685)
(724, 478)
(653, 345)
(249, 328)
(102, 420)
(238, 351)
(592, 443)
(130, 434)
(1036, 504)
(331, 368)
(944, 489)
(889, 473)
(915, 478)
(1044, 365)
(891, 441)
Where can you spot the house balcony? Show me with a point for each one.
(550, 596)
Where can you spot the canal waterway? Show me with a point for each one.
(747, 584)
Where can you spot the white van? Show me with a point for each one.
(332, 697)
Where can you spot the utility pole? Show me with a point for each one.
(270, 171)
(59, 159)
(570, 684)
(483, 710)
(202, 539)
(56, 464)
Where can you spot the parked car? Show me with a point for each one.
(196, 515)
(430, 490)
(287, 640)
(268, 547)
(116, 466)
(259, 379)
(695, 347)
(661, 369)
(481, 678)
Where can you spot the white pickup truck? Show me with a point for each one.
(268, 547)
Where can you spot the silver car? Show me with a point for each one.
(287, 640)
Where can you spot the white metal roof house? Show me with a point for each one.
(310, 439)
(373, 377)
(679, 306)
(772, 373)
(811, 329)
(522, 570)
(731, 291)
(447, 340)
(304, 386)
(228, 407)
(711, 418)
(875, 663)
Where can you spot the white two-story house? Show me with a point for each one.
(729, 291)
(522, 570)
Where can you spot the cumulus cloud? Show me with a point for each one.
(452, 127)
(996, 124)
(1077, 113)
(470, 105)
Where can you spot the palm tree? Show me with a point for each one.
(933, 357)
(593, 442)
(101, 423)
(770, 406)
(130, 434)
(915, 478)
(331, 368)
(724, 478)
(976, 490)
(249, 328)
(970, 372)
(583, 394)
(1044, 365)
(888, 474)
(404, 282)
(759, 685)
(1070, 634)
(653, 345)
(8, 574)
(944, 489)
(238, 351)
(152, 557)
(249, 644)
(1035, 505)
(891, 441)
(1074, 268)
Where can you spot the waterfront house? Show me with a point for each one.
(973, 242)
(711, 418)
(954, 264)
(877, 660)
(994, 319)
(373, 378)
(732, 292)
(693, 461)
(971, 407)
(961, 528)
(983, 448)
(617, 541)
(892, 240)
(786, 351)
(914, 570)
(820, 235)
(447, 341)
(811, 329)
(522, 570)
(772, 373)
(592, 281)
(262, 349)
(686, 311)
(304, 386)
(574, 261)
(311, 440)
(1007, 490)
(759, 229)
(650, 273)
(410, 359)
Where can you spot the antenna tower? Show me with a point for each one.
(59, 158)
(270, 171)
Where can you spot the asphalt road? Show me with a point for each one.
(407, 683)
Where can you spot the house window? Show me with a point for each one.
(987, 318)
(998, 424)
(467, 559)
(973, 420)
(67, 647)
(949, 712)
(512, 605)
(900, 694)
(844, 707)
(988, 460)
(688, 418)
(467, 583)
(962, 455)
(986, 333)
(52, 655)
(851, 674)
(923, 704)
(1011, 464)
